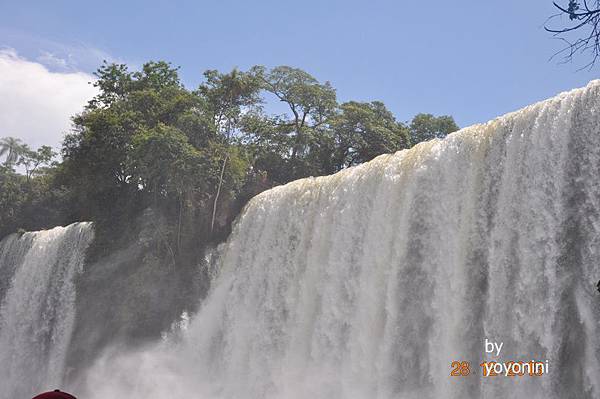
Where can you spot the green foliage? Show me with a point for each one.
(115, 82)
(32, 161)
(298, 143)
(365, 130)
(145, 141)
(312, 105)
(426, 127)
(227, 95)
(193, 157)
(10, 197)
(309, 100)
(11, 148)
(32, 201)
(162, 161)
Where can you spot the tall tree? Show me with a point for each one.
(425, 127)
(146, 141)
(32, 161)
(228, 96)
(311, 103)
(291, 145)
(12, 148)
(97, 154)
(364, 130)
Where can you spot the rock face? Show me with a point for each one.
(59, 313)
(130, 296)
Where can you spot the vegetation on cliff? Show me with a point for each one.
(193, 156)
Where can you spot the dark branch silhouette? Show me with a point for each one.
(583, 17)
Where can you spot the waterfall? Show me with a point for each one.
(365, 284)
(37, 309)
(369, 283)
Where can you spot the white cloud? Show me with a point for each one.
(36, 104)
(49, 59)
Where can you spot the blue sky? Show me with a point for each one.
(471, 59)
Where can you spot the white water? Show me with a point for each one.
(366, 284)
(370, 282)
(38, 307)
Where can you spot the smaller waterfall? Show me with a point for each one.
(38, 306)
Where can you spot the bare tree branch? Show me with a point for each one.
(585, 19)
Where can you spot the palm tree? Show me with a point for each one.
(12, 148)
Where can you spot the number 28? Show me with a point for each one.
(460, 369)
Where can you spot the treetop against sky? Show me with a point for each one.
(447, 58)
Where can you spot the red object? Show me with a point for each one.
(56, 394)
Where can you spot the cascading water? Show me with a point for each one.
(371, 282)
(368, 283)
(37, 308)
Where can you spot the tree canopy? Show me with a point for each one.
(426, 127)
(195, 156)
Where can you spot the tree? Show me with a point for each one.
(162, 161)
(311, 103)
(164, 164)
(364, 130)
(228, 96)
(115, 82)
(97, 154)
(34, 200)
(12, 148)
(293, 144)
(194, 158)
(147, 142)
(33, 160)
(583, 17)
(11, 200)
(425, 127)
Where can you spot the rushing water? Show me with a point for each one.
(369, 283)
(38, 306)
